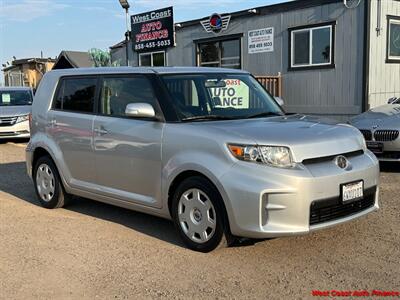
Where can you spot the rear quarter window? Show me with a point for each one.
(76, 95)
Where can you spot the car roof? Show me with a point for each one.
(15, 88)
(144, 70)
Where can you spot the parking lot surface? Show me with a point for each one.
(93, 250)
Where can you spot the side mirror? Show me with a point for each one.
(140, 110)
(280, 101)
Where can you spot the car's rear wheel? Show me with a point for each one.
(198, 214)
(48, 186)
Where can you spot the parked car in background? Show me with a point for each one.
(209, 148)
(394, 100)
(15, 107)
(381, 129)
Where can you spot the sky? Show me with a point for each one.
(28, 27)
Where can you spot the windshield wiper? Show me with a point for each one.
(265, 114)
(207, 117)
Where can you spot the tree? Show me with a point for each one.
(102, 58)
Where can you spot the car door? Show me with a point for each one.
(70, 124)
(128, 150)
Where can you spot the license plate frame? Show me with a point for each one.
(355, 187)
(375, 147)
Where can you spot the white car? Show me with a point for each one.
(381, 129)
(15, 107)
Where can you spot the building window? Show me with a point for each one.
(152, 59)
(393, 40)
(312, 46)
(224, 54)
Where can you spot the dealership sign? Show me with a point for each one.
(216, 23)
(153, 30)
(235, 94)
(261, 40)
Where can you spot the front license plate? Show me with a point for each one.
(352, 191)
(375, 147)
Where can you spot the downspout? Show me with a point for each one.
(379, 18)
(367, 50)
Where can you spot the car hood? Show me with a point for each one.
(13, 111)
(382, 117)
(307, 137)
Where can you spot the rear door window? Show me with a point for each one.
(76, 95)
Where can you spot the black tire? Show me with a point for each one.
(219, 238)
(59, 197)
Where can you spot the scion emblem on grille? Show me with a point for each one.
(341, 162)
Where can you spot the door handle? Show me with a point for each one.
(52, 123)
(101, 131)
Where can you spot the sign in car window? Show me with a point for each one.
(261, 40)
(235, 94)
(5, 98)
(153, 30)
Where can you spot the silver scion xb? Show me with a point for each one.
(208, 148)
(15, 107)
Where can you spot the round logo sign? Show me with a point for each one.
(216, 22)
(342, 162)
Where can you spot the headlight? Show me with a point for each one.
(276, 156)
(22, 118)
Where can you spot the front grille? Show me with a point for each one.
(7, 121)
(322, 159)
(386, 135)
(367, 134)
(333, 209)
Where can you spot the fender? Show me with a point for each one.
(40, 140)
(214, 169)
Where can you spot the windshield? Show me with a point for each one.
(219, 97)
(12, 98)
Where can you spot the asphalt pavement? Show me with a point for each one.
(91, 250)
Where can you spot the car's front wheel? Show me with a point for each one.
(198, 214)
(48, 185)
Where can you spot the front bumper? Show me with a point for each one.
(389, 156)
(391, 151)
(18, 130)
(265, 202)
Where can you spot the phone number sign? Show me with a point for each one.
(153, 30)
(261, 40)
